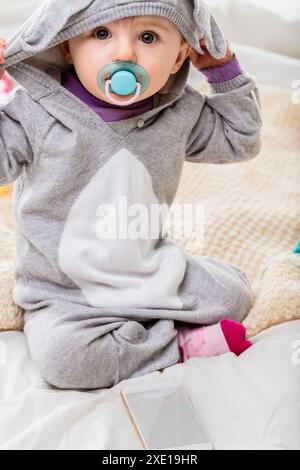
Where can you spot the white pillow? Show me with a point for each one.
(273, 25)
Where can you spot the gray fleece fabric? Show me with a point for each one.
(98, 311)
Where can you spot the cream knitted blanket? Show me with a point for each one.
(251, 213)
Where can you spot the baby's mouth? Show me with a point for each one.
(123, 83)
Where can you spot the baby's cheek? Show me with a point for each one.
(157, 82)
(88, 78)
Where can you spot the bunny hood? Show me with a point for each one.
(35, 43)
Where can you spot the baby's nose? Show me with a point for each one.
(124, 53)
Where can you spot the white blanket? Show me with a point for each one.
(251, 402)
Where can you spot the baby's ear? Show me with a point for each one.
(65, 50)
(209, 29)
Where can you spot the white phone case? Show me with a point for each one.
(165, 419)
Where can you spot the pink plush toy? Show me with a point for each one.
(6, 84)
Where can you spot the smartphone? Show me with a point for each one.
(165, 419)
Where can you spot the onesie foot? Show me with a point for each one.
(226, 336)
(235, 335)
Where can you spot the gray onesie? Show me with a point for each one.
(99, 310)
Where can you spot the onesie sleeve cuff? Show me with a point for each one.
(222, 73)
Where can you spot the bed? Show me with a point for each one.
(251, 402)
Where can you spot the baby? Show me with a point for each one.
(98, 129)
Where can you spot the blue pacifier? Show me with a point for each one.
(123, 78)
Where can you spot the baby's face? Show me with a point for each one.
(153, 42)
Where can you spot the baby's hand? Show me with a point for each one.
(206, 60)
(2, 47)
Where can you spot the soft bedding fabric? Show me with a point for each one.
(251, 402)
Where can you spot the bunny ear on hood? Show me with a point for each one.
(209, 29)
(39, 34)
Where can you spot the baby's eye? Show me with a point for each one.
(102, 35)
(148, 36)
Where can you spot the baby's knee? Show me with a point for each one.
(71, 362)
(228, 287)
(240, 295)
